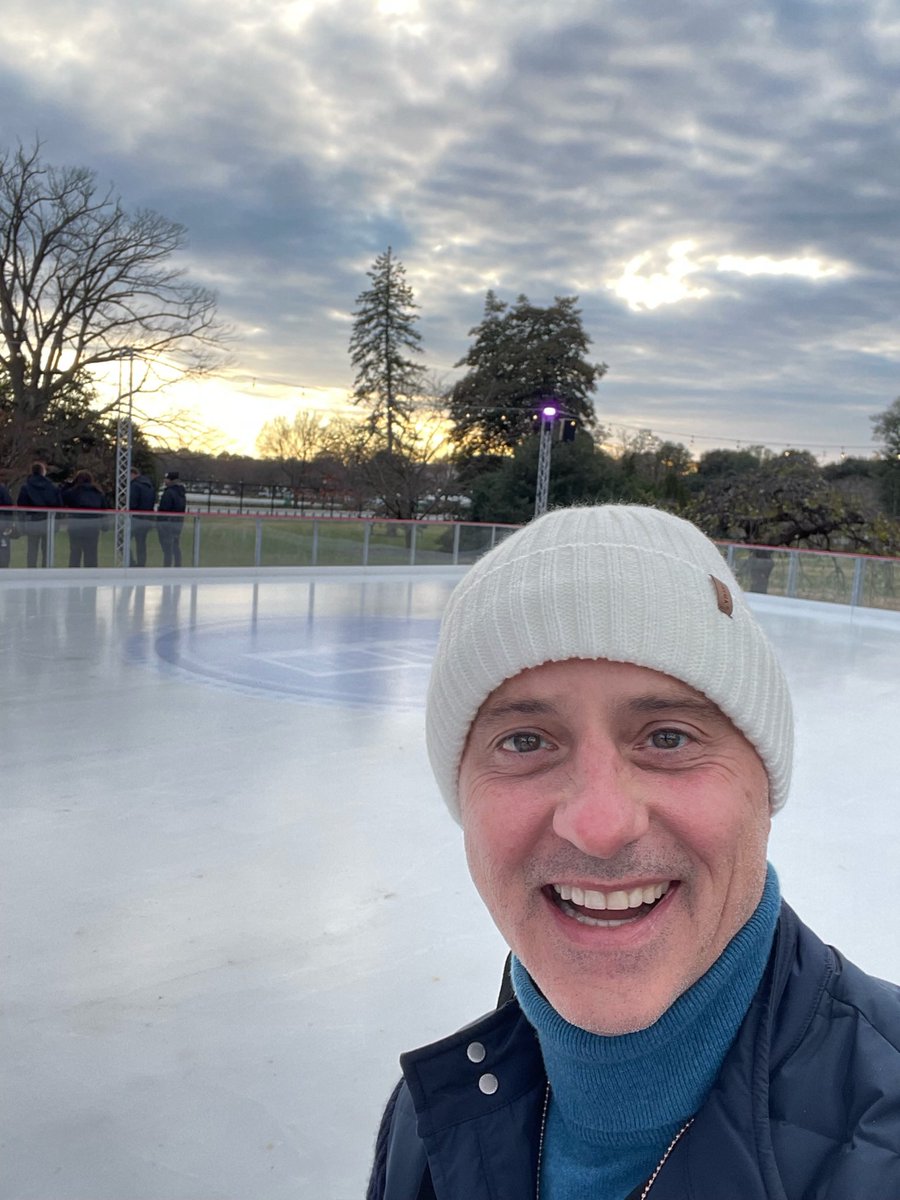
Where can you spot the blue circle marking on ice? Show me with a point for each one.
(358, 661)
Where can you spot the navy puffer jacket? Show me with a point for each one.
(38, 492)
(173, 502)
(141, 494)
(84, 495)
(805, 1107)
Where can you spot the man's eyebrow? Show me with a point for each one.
(494, 713)
(661, 704)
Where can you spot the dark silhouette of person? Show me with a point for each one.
(7, 521)
(37, 492)
(85, 527)
(141, 499)
(172, 506)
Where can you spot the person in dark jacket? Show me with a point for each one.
(611, 728)
(141, 499)
(173, 503)
(39, 493)
(7, 521)
(85, 527)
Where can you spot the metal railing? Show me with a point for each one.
(256, 541)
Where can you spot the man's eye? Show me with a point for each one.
(523, 743)
(668, 739)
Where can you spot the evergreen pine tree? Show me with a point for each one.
(383, 333)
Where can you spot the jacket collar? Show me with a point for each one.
(476, 1071)
(451, 1084)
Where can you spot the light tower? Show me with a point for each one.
(124, 435)
(548, 413)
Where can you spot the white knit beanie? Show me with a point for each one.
(620, 582)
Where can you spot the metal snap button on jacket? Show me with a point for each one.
(475, 1052)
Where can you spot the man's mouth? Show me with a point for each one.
(585, 904)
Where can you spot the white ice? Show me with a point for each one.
(231, 897)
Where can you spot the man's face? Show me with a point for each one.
(590, 788)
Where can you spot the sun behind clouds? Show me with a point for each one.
(658, 277)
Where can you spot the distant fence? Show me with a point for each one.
(257, 541)
(272, 498)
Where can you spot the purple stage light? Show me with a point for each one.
(548, 411)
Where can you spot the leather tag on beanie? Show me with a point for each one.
(723, 596)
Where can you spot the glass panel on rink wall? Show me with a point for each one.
(340, 543)
(390, 543)
(880, 584)
(434, 543)
(223, 542)
(825, 577)
(758, 569)
(474, 540)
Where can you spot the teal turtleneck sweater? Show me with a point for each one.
(617, 1102)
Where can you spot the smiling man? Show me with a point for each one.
(611, 728)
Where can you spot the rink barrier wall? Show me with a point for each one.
(217, 542)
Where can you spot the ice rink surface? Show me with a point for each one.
(230, 896)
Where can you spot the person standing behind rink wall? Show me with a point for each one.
(85, 528)
(37, 492)
(141, 499)
(172, 503)
(7, 520)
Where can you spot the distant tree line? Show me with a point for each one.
(753, 496)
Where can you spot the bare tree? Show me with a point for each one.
(294, 444)
(410, 481)
(83, 282)
(301, 439)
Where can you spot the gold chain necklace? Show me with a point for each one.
(650, 1182)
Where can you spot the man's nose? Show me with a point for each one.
(602, 807)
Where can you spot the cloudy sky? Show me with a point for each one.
(719, 183)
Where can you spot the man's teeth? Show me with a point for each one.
(618, 901)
